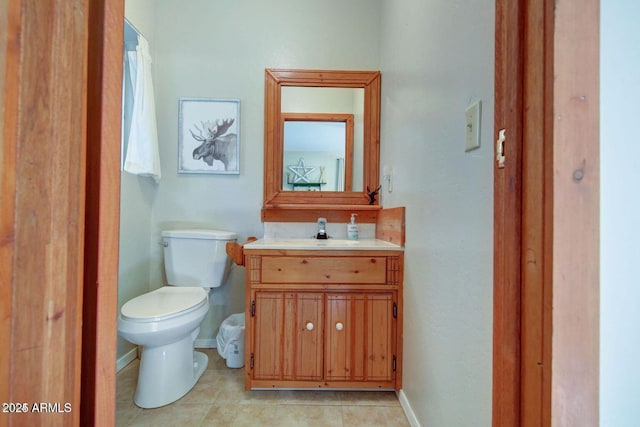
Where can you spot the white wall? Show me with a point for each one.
(436, 59)
(136, 199)
(619, 210)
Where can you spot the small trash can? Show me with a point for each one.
(230, 340)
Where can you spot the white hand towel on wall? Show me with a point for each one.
(143, 156)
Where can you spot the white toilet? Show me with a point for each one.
(166, 322)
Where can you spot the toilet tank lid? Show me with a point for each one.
(200, 234)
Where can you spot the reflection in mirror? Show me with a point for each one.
(331, 101)
(318, 152)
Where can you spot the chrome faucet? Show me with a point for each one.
(322, 228)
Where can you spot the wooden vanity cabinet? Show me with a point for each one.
(323, 319)
(287, 336)
(359, 337)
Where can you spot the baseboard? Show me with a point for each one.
(128, 357)
(406, 407)
(205, 343)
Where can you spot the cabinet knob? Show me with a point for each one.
(309, 326)
(339, 326)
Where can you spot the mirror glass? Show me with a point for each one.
(323, 138)
(318, 152)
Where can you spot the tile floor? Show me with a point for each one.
(219, 399)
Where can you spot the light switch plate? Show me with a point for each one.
(472, 114)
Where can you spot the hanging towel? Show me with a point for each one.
(143, 156)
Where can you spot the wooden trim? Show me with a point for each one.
(318, 199)
(547, 220)
(316, 78)
(536, 206)
(10, 18)
(272, 161)
(390, 225)
(106, 19)
(44, 210)
(324, 384)
(324, 253)
(576, 103)
(400, 321)
(326, 287)
(508, 215)
(310, 213)
(236, 250)
(555, 308)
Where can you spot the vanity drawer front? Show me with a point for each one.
(297, 269)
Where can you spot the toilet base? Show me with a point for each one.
(168, 372)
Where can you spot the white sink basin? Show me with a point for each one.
(321, 242)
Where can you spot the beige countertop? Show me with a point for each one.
(321, 244)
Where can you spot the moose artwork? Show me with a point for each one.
(209, 133)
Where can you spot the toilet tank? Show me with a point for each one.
(196, 257)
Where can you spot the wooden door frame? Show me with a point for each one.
(102, 212)
(546, 203)
(524, 32)
(575, 177)
(507, 214)
(43, 60)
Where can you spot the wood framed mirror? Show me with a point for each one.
(284, 204)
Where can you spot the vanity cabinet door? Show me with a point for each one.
(359, 337)
(288, 336)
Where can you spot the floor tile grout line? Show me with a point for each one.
(225, 380)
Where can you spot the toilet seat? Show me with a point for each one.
(164, 303)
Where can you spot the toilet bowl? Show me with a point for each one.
(165, 322)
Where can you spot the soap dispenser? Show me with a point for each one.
(352, 228)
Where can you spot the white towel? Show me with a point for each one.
(143, 156)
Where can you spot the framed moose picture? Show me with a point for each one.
(209, 136)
